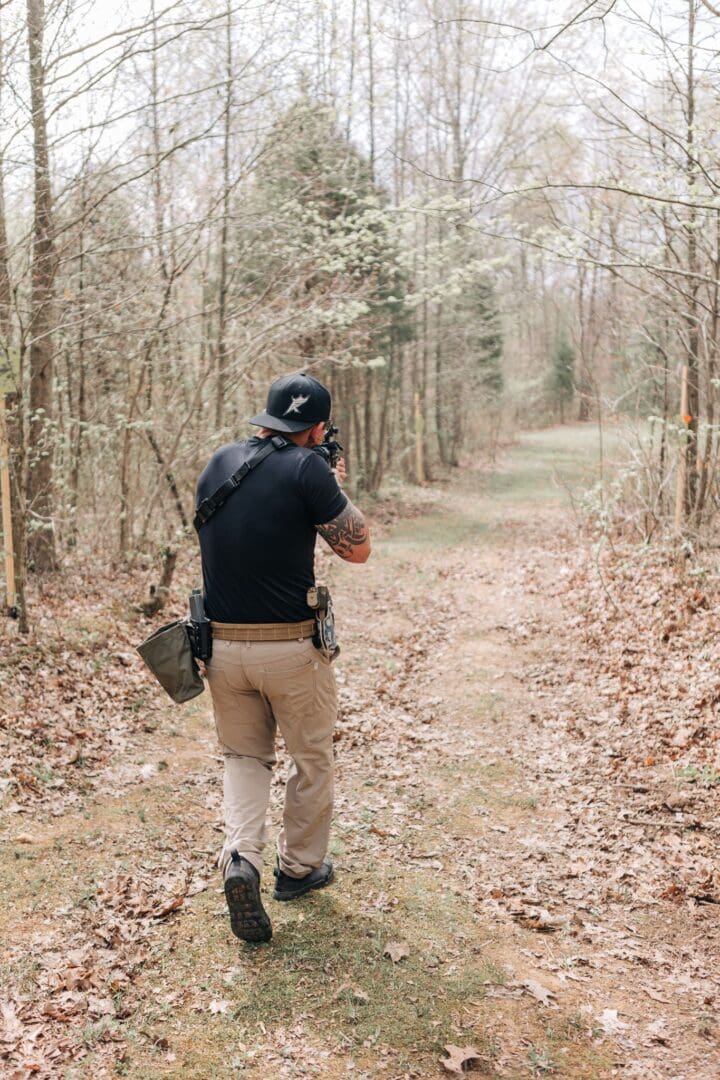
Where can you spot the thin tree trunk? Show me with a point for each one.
(707, 470)
(223, 271)
(351, 73)
(381, 454)
(14, 425)
(170, 479)
(692, 315)
(159, 593)
(41, 539)
(371, 87)
(78, 425)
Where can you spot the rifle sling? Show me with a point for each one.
(208, 506)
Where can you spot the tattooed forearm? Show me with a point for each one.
(345, 533)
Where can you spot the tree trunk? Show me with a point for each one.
(77, 427)
(159, 593)
(692, 358)
(223, 270)
(371, 86)
(41, 538)
(14, 428)
(441, 411)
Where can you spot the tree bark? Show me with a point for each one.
(41, 537)
(159, 593)
(692, 315)
(224, 228)
(13, 420)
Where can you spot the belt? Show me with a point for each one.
(281, 631)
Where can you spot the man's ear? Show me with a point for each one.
(315, 435)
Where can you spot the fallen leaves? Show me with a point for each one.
(162, 910)
(135, 897)
(610, 1022)
(538, 991)
(12, 1027)
(459, 1059)
(602, 738)
(354, 993)
(396, 951)
(673, 892)
(541, 921)
(219, 1007)
(86, 971)
(70, 697)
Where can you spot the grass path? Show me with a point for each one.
(438, 788)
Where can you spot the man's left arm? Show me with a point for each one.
(347, 534)
(339, 523)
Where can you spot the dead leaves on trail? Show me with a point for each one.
(396, 951)
(73, 693)
(459, 1059)
(86, 968)
(539, 920)
(617, 740)
(131, 897)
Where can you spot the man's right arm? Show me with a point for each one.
(347, 535)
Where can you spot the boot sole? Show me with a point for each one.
(305, 888)
(248, 919)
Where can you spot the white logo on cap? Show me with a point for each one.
(296, 404)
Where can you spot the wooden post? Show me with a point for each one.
(10, 595)
(682, 456)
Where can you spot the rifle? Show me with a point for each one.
(329, 448)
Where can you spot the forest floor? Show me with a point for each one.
(525, 834)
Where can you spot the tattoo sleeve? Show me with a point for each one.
(345, 532)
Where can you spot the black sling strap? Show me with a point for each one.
(208, 506)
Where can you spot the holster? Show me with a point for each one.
(324, 638)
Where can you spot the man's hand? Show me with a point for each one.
(340, 472)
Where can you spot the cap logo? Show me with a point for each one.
(296, 404)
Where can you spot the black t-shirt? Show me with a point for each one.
(258, 548)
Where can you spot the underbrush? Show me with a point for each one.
(638, 500)
(649, 621)
(73, 690)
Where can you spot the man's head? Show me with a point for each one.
(295, 403)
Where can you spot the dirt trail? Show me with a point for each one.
(469, 847)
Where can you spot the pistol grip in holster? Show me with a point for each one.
(324, 639)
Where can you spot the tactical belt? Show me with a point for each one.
(295, 631)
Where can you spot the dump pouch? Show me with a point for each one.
(168, 654)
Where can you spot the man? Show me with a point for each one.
(265, 672)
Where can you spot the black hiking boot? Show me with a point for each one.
(289, 888)
(248, 919)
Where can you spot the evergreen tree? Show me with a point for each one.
(489, 346)
(328, 241)
(469, 376)
(561, 381)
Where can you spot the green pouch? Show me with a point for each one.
(168, 654)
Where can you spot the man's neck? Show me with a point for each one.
(300, 438)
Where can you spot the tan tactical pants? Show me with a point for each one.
(256, 687)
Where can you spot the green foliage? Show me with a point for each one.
(468, 354)
(488, 350)
(705, 775)
(328, 239)
(561, 380)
